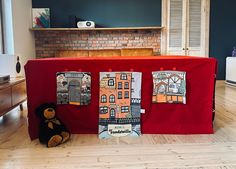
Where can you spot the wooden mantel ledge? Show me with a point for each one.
(95, 29)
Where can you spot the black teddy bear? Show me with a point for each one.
(51, 130)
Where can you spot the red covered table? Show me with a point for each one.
(195, 117)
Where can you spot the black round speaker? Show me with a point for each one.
(18, 65)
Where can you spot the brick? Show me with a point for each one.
(48, 42)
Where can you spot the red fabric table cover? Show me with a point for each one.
(195, 117)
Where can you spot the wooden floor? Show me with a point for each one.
(17, 151)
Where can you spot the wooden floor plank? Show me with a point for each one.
(86, 151)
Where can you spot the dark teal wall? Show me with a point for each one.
(108, 13)
(222, 32)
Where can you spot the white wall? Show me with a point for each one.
(24, 43)
(1, 42)
(8, 64)
(19, 40)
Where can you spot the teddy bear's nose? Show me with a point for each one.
(50, 109)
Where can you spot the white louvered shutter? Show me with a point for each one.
(186, 27)
(194, 27)
(176, 19)
(175, 40)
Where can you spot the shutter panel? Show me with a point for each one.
(175, 22)
(194, 23)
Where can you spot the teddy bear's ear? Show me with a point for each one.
(41, 108)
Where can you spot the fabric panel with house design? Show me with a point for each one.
(119, 104)
(73, 88)
(169, 87)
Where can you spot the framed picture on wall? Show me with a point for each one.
(41, 17)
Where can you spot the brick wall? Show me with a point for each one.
(48, 42)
